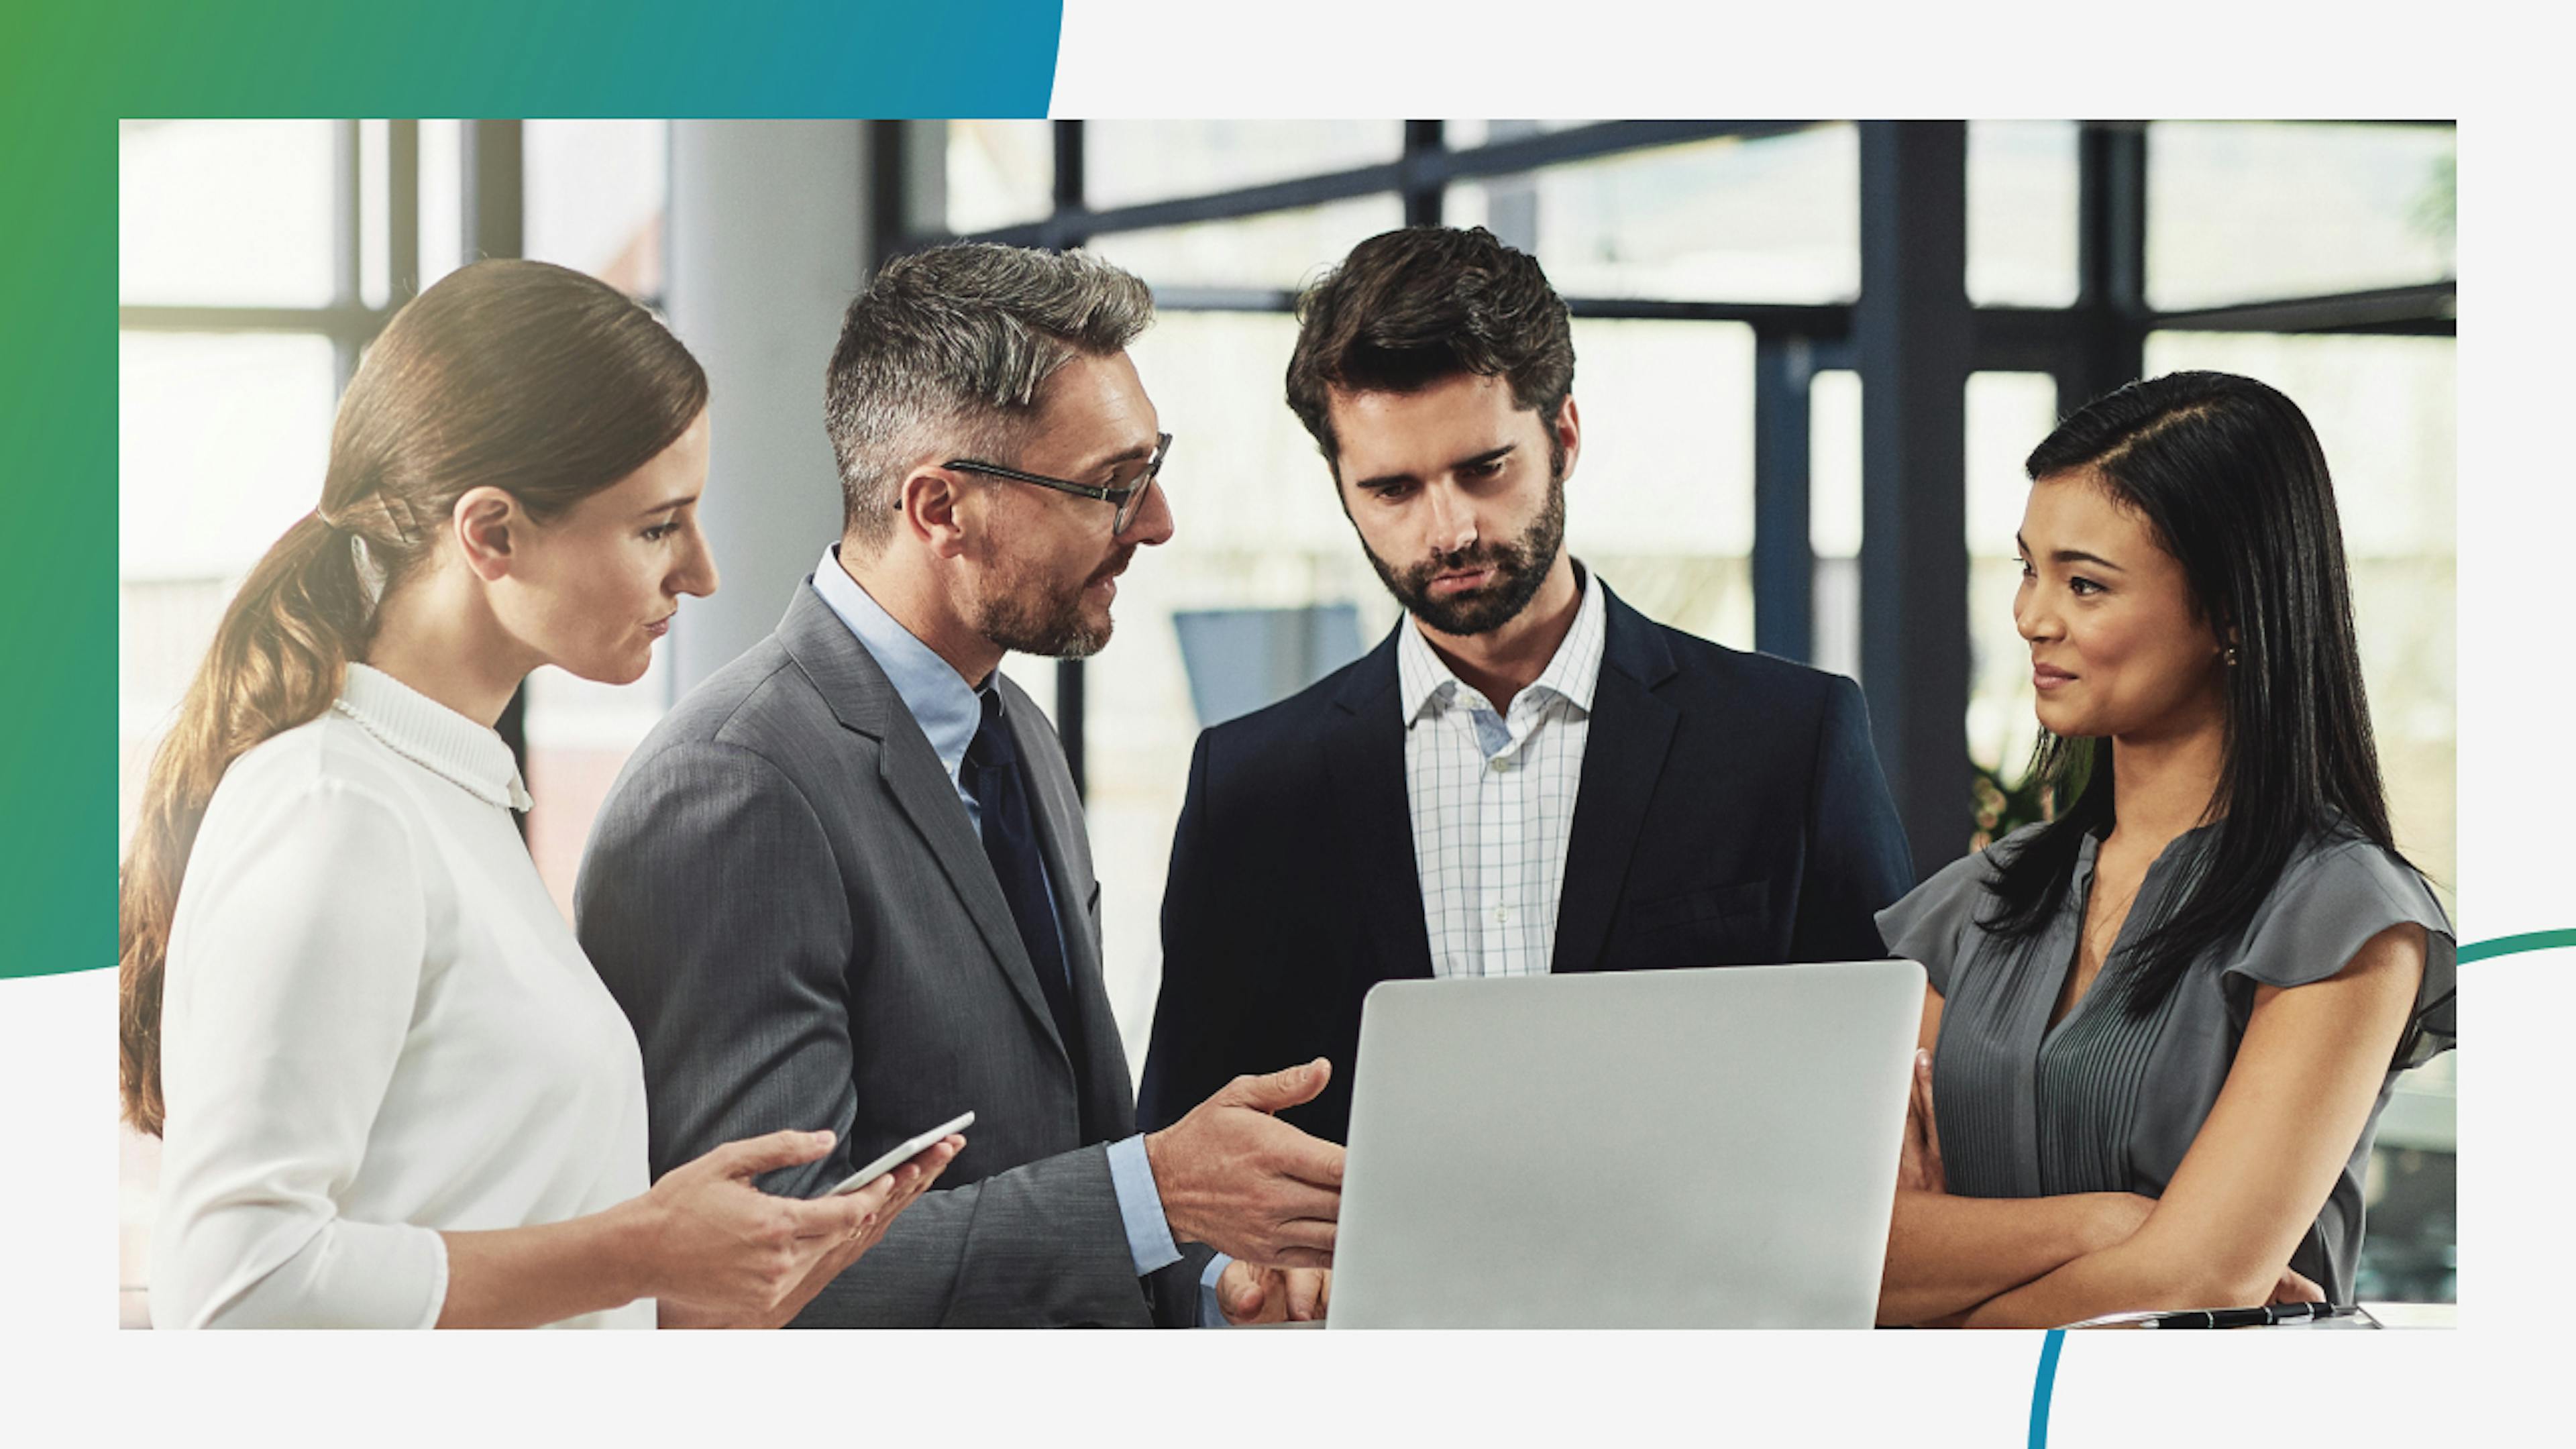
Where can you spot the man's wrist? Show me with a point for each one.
(1150, 1241)
(1159, 1165)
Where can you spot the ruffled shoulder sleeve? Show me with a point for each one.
(2326, 907)
(1931, 923)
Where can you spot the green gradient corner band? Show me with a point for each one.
(67, 75)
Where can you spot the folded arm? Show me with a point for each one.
(1946, 1255)
(2306, 1076)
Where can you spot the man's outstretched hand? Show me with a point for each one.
(1236, 1178)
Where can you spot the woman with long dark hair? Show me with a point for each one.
(391, 1090)
(2161, 1027)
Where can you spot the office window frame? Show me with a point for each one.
(2088, 346)
(492, 209)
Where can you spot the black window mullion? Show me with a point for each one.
(890, 191)
(2107, 335)
(1069, 676)
(1423, 188)
(1784, 558)
(402, 211)
(1913, 337)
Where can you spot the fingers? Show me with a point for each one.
(753, 1156)
(1920, 1120)
(1301, 1243)
(934, 1159)
(1275, 1091)
(914, 1178)
(1308, 1291)
(1290, 1200)
(2295, 1289)
(1241, 1291)
(835, 1215)
(1312, 1233)
(872, 1201)
(1306, 1158)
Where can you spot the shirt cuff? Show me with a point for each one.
(1140, 1206)
(1211, 1312)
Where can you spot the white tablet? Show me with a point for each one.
(898, 1154)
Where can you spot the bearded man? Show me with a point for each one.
(1528, 775)
(845, 882)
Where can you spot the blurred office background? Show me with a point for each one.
(1811, 357)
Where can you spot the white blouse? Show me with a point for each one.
(376, 1025)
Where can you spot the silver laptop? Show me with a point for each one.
(1708, 1148)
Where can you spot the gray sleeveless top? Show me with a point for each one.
(2107, 1101)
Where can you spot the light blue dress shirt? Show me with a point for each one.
(949, 711)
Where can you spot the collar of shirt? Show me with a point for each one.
(948, 710)
(432, 736)
(1427, 685)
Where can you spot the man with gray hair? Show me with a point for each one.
(845, 882)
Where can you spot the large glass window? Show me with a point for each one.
(2023, 184)
(1274, 251)
(2238, 211)
(1128, 162)
(257, 260)
(222, 430)
(2384, 409)
(998, 172)
(1774, 219)
(595, 194)
(227, 213)
(2008, 413)
(1661, 503)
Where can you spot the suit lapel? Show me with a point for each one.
(1363, 745)
(1623, 758)
(866, 702)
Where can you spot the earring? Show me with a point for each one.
(2231, 656)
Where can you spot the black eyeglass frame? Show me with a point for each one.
(1125, 500)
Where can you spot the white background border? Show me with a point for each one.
(72, 1373)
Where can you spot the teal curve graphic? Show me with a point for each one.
(2045, 1383)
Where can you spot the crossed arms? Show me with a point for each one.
(2300, 1092)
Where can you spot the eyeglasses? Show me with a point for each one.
(1126, 500)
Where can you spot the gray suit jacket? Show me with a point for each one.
(784, 894)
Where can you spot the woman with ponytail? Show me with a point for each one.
(391, 1090)
(2161, 1028)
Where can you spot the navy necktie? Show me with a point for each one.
(1000, 787)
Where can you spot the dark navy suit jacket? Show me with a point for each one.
(1731, 812)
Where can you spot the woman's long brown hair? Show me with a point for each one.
(511, 374)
